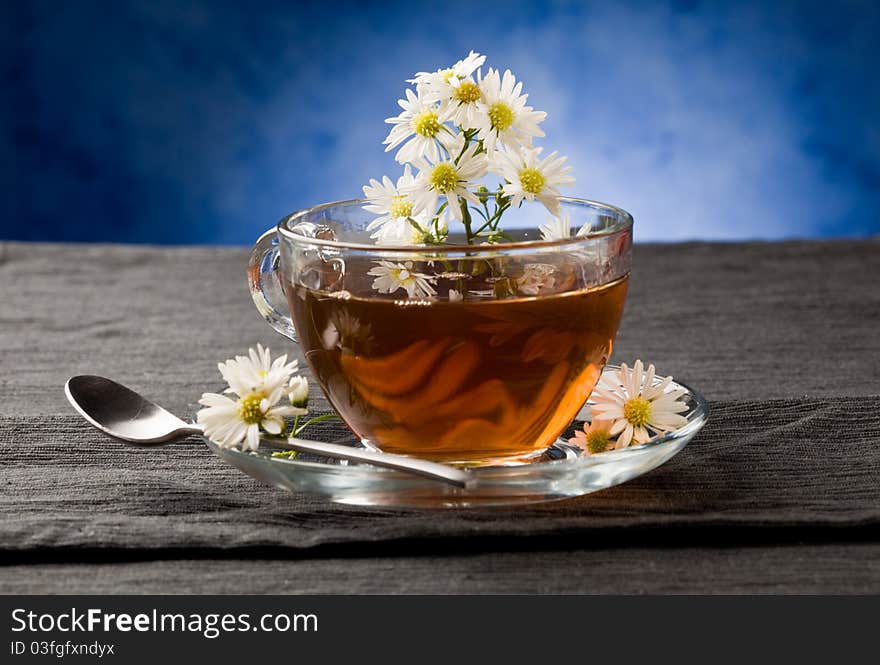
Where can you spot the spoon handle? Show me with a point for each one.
(420, 467)
(433, 470)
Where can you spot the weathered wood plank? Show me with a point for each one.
(809, 569)
(774, 464)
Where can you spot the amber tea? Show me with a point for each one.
(484, 379)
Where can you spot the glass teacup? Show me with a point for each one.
(471, 354)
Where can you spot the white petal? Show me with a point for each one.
(626, 436)
(638, 375)
(253, 437)
(649, 379)
(272, 426)
(213, 399)
(618, 427)
(288, 411)
(659, 389)
(669, 421)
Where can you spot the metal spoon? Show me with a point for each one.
(124, 414)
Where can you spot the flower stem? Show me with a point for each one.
(416, 225)
(467, 140)
(466, 220)
(492, 222)
(312, 421)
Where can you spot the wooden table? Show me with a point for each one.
(779, 493)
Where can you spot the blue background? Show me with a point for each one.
(204, 122)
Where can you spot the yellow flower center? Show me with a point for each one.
(468, 93)
(637, 411)
(400, 207)
(446, 74)
(426, 124)
(532, 180)
(444, 177)
(597, 441)
(403, 277)
(501, 116)
(249, 410)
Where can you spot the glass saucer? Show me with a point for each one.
(563, 471)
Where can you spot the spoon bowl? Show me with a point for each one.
(124, 414)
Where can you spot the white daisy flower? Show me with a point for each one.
(422, 123)
(505, 116)
(346, 332)
(536, 278)
(260, 383)
(237, 423)
(443, 84)
(529, 177)
(418, 230)
(390, 201)
(257, 372)
(400, 232)
(556, 228)
(559, 228)
(450, 179)
(635, 407)
(585, 230)
(594, 437)
(391, 277)
(464, 106)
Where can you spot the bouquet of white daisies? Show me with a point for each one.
(456, 127)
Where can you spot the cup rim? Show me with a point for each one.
(624, 223)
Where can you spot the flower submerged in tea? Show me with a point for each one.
(347, 332)
(391, 277)
(536, 278)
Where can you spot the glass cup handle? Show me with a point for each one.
(264, 280)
